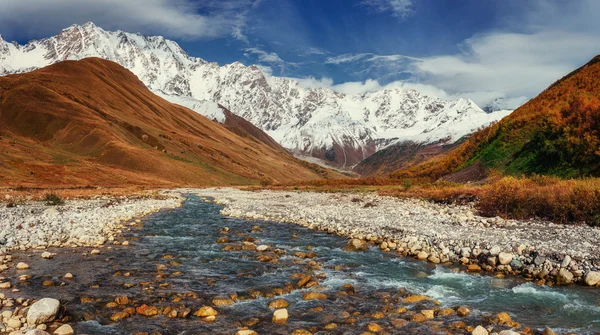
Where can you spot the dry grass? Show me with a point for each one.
(19, 194)
(548, 198)
(561, 201)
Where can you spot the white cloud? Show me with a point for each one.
(171, 18)
(513, 65)
(264, 56)
(397, 8)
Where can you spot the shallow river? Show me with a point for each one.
(184, 240)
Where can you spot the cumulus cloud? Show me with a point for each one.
(172, 18)
(397, 8)
(514, 64)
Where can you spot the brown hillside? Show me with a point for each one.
(92, 122)
(399, 156)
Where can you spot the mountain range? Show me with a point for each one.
(93, 122)
(338, 128)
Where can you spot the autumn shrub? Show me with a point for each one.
(52, 199)
(549, 198)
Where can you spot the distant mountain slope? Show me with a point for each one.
(400, 155)
(93, 122)
(339, 128)
(556, 133)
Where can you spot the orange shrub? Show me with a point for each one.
(560, 201)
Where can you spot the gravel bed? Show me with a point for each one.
(543, 251)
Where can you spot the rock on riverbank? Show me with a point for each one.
(543, 251)
(76, 223)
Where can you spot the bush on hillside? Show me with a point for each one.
(52, 199)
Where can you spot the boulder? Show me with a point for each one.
(64, 330)
(314, 296)
(356, 245)
(505, 258)
(205, 311)
(222, 301)
(463, 311)
(479, 330)
(564, 277)
(422, 255)
(42, 311)
(278, 303)
(280, 315)
(47, 255)
(14, 323)
(22, 266)
(592, 278)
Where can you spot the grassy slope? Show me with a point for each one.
(556, 133)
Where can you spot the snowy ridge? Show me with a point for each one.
(310, 121)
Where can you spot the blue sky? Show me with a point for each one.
(492, 51)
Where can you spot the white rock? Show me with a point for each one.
(262, 248)
(47, 255)
(14, 323)
(42, 311)
(22, 266)
(505, 258)
(480, 331)
(64, 330)
(280, 315)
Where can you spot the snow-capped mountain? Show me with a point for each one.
(311, 121)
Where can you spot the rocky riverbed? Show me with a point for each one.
(542, 251)
(191, 270)
(75, 223)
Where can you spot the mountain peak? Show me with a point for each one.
(341, 128)
(89, 24)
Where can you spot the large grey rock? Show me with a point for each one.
(42, 311)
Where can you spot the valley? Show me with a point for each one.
(294, 167)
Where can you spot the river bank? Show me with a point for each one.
(192, 270)
(75, 223)
(542, 251)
